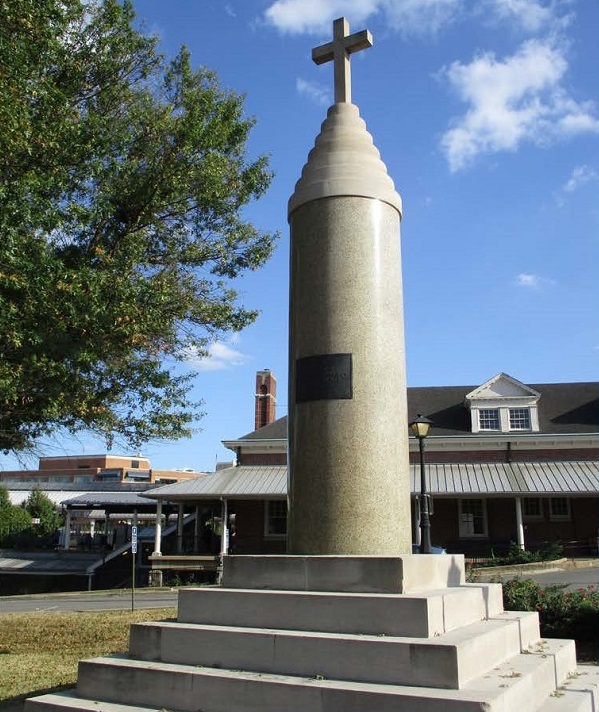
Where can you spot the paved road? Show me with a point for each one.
(109, 601)
(574, 578)
(571, 578)
(121, 600)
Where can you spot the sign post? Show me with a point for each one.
(133, 559)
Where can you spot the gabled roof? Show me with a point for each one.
(502, 386)
(563, 408)
(272, 431)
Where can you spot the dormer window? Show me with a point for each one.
(488, 419)
(519, 418)
(503, 405)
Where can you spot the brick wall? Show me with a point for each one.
(270, 458)
(249, 524)
(547, 455)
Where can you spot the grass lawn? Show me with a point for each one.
(40, 651)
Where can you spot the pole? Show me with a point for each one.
(425, 522)
(133, 558)
(158, 530)
(224, 541)
(519, 524)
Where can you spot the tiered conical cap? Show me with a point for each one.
(344, 162)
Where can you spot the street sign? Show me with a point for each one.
(134, 540)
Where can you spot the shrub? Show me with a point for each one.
(516, 555)
(562, 614)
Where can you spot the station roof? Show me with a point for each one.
(448, 479)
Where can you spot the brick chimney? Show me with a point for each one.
(266, 398)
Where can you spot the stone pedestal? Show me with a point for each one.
(301, 647)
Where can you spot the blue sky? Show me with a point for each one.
(486, 115)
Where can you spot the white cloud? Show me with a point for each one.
(525, 279)
(221, 356)
(418, 17)
(412, 17)
(315, 92)
(316, 16)
(405, 16)
(530, 15)
(532, 281)
(580, 175)
(512, 101)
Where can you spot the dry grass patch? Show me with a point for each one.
(40, 651)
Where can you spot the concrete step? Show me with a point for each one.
(523, 682)
(424, 615)
(528, 625)
(578, 693)
(68, 701)
(447, 661)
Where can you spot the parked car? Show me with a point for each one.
(434, 549)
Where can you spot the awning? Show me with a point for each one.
(447, 479)
(515, 478)
(244, 482)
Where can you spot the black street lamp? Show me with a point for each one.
(420, 428)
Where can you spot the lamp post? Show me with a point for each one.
(420, 428)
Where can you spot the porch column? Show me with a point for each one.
(519, 524)
(196, 531)
(106, 528)
(224, 539)
(66, 543)
(158, 530)
(180, 528)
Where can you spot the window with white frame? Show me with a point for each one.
(519, 418)
(488, 419)
(532, 508)
(559, 508)
(275, 518)
(473, 518)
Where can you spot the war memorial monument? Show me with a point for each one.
(350, 620)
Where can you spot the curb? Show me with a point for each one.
(534, 567)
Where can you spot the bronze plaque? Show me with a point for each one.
(327, 377)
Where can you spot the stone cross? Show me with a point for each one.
(339, 50)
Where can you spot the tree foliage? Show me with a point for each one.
(123, 179)
(39, 506)
(13, 519)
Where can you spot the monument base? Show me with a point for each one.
(283, 640)
(345, 574)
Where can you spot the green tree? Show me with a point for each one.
(123, 179)
(39, 506)
(13, 519)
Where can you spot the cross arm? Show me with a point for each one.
(353, 43)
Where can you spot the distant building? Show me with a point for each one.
(505, 461)
(82, 469)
